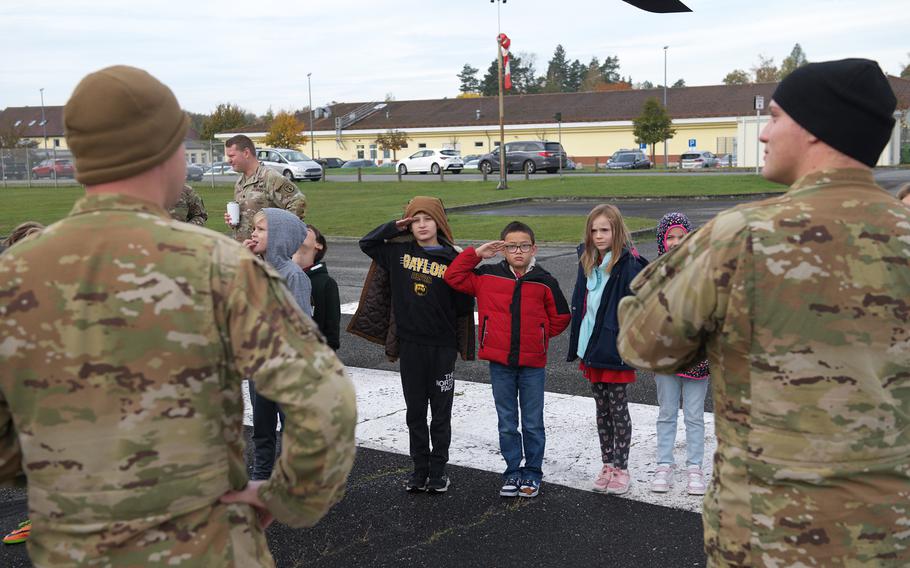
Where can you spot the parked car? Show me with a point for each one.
(698, 159)
(221, 169)
(13, 169)
(63, 167)
(291, 164)
(472, 164)
(432, 161)
(529, 156)
(570, 165)
(330, 162)
(359, 163)
(726, 160)
(194, 172)
(629, 160)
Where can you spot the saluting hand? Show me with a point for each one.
(403, 224)
(250, 496)
(490, 249)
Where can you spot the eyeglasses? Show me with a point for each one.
(523, 247)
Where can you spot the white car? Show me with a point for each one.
(698, 159)
(432, 161)
(291, 164)
(224, 169)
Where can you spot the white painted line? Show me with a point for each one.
(350, 309)
(572, 455)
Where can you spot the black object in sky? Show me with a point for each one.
(660, 6)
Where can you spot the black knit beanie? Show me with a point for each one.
(847, 104)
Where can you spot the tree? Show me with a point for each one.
(576, 76)
(469, 81)
(393, 140)
(765, 71)
(524, 80)
(609, 70)
(557, 72)
(285, 131)
(737, 77)
(792, 62)
(645, 85)
(224, 118)
(653, 125)
(593, 76)
(905, 72)
(269, 115)
(10, 135)
(679, 83)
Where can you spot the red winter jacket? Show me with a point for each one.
(516, 316)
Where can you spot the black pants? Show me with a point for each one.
(265, 438)
(427, 379)
(614, 423)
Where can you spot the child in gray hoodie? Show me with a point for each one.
(277, 234)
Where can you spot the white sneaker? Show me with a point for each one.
(663, 478)
(696, 484)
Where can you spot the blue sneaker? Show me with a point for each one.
(510, 488)
(529, 488)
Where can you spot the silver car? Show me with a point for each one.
(291, 164)
(698, 159)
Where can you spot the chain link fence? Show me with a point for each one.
(36, 167)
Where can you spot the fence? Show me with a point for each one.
(36, 167)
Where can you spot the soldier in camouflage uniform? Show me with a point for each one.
(801, 304)
(125, 339)
(258, 187)
(189, 208)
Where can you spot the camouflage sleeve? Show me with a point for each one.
(10, 453)
(196, 213)
(682, 298)
(285, 194)
(273, 343)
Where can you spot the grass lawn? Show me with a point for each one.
(352, 209)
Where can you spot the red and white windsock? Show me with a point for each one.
(504, 43)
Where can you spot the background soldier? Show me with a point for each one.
(258, 187)
(801, 303)
(189, 208)
(126, 337)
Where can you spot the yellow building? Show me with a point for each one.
(719, 118)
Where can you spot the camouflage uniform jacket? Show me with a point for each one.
(125, 339)
(265, 188)
(189, 208)
(801, 304)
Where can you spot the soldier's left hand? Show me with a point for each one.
(250, 496)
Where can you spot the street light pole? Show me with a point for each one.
(666, 157)
(312, 142)
(503, 158)
(44, 126)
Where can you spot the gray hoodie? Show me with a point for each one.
(286, 233)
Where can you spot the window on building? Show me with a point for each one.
(193, 158)
(42, 123)
(496, 143)
(726, 144)
(422, 145)
(32, 123)
(373, 154)
(360, 151)
(18, 122)
(404, 146)
(56, 142)
(386, 153)
(478, 144)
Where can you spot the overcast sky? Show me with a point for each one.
(257, 53)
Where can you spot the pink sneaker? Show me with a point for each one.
(696, 484)
(603, 478)
(620, 482)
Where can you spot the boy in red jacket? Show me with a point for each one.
(520, 307)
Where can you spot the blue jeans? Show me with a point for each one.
(515, 387)
(669, 389)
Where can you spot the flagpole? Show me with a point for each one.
(503, 159)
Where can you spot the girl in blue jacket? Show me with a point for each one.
(607, 264)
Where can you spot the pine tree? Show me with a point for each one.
(557, 71)
(792, 62)
(469, 81)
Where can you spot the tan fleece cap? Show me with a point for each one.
(119, 122)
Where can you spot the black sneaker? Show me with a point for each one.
(438, 484)
(416, 483)
(510, 488)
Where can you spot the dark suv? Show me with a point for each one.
(330, 162)
(528, 156)
(629, 160)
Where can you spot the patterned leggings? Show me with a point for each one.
(614, 424)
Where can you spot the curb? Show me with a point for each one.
(604, 199)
